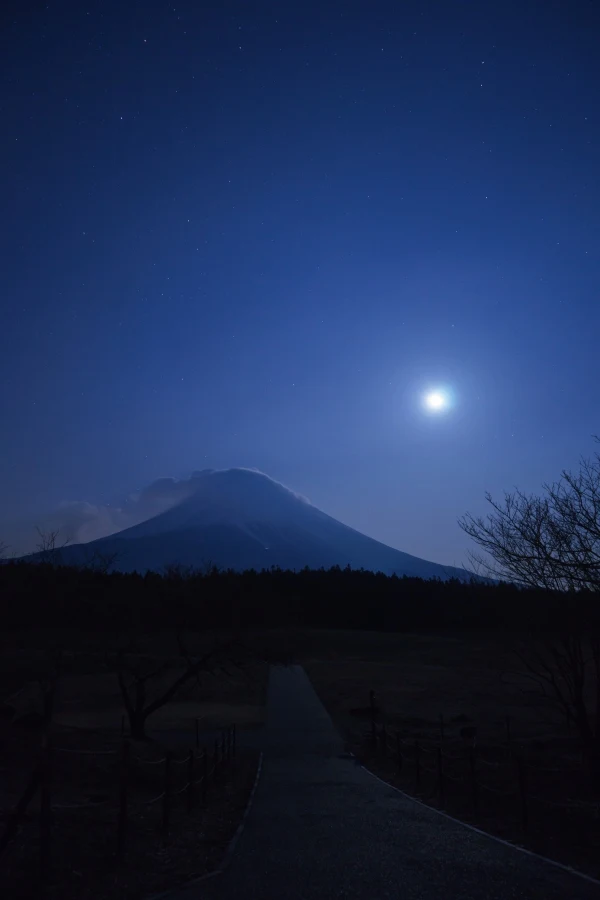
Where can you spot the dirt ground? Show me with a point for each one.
(430, 692)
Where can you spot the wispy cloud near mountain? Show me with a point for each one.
(81, 521)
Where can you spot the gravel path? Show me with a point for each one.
(322, 827)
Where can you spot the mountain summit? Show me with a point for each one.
(242, 519)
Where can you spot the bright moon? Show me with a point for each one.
(435, 401)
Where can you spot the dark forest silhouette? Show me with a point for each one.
(46, 595)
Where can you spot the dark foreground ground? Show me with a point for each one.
(322, 826)
(428, 689)
(86, 773)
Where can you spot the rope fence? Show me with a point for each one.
(80, 752)
(150, 762)
(203, 770)
(513, 768)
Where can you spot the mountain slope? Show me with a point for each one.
(239, 519)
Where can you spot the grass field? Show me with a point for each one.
(465, 678)
(88, 693)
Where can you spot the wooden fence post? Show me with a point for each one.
(190, 788)
(441, 728)
(45, 809)
(383, 744)
(417, 764)
(522, 783)
(372, 709)
(45, 786)
(474, 791)
(204, 777)
(14, 818)
(440, 768)
(399, 759)
(123, 790)
(564, 823)
(166, 804)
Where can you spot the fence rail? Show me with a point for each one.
(198, 759)
(432, 760)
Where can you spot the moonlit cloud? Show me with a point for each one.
(79, 521)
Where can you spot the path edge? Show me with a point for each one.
(492, 837)
(227, 856)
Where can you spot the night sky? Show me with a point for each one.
(255, 234)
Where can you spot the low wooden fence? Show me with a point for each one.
(469, 776)
(187, 780)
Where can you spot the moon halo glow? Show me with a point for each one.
(436, 401)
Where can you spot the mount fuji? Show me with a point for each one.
(242, 519)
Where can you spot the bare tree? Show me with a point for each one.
(145, 687)
(101, 561)
(47, 549)
(553, 542)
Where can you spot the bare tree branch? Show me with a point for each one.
(553, 542)
(134, 676)
(47, 546)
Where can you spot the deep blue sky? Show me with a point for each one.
(253, 234)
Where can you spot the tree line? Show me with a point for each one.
(47, 595)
